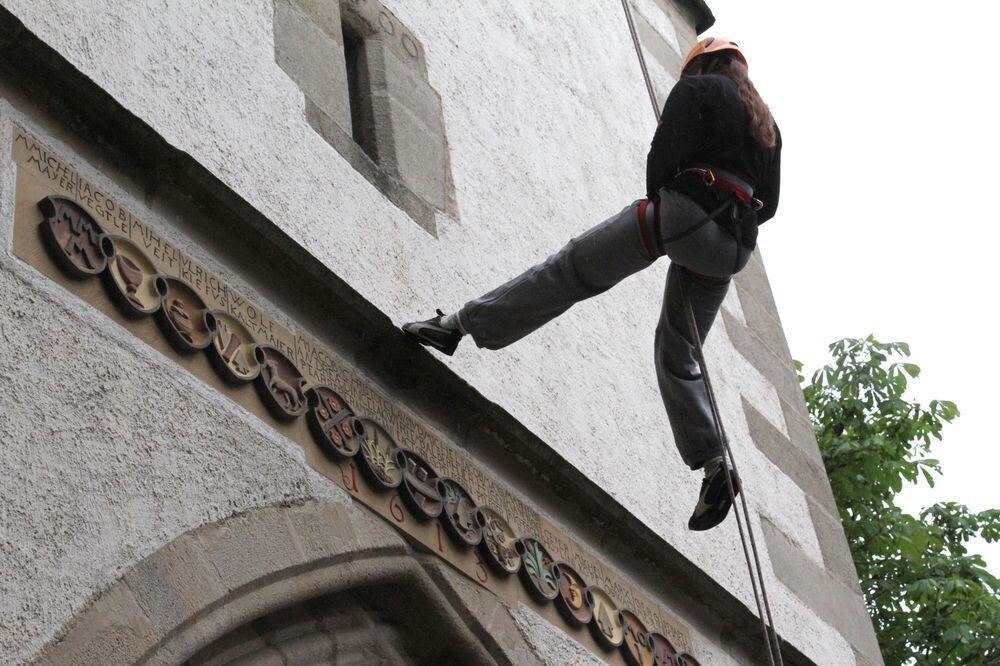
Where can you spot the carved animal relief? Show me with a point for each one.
(280, 383)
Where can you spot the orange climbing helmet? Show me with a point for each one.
(712, 45)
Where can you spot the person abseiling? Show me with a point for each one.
(712, 177)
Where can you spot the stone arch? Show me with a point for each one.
(270, 585)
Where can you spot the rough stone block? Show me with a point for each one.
(807, 473)
(779, 372)
(800, 428)
(113, 631)
(834, 602)
(313, 57)
(322, 529)
(324, 13)
(403, 122)
(420, 155)
(764, 322)
(833, 545)
(251, 546)
(174, 583)
(656, 46)
(753, 279)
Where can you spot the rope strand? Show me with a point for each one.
(771, 638)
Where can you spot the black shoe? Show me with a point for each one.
(714, 499)
(431, 333)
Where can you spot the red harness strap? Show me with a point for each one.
(648, 215)
(739, 188)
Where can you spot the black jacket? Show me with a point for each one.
(704, 121)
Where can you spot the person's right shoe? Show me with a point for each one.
(714, 499)
(431, 333)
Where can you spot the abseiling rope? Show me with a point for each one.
(771, 638)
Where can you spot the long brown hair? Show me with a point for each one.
(761, 121)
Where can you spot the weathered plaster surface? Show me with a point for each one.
(546, 138)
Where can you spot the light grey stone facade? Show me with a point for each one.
(146, 515)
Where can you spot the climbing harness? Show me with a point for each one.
(712, 177)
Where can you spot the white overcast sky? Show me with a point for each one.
(889, 221)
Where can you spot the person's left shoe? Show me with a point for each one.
(714, 499)
(431, 333)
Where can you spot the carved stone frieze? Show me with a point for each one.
(459, 513)
(333, 422)
(130, 277)
(72, 236)
(420, 486)
(183, 315)
(232, 350)
(537, 572)
(572, 599)
(606, 625)
(498, 541)
(280, 384)
(381, 459)
(144, 284)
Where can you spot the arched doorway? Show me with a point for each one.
(316, 582)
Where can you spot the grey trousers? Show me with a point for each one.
(599, 259)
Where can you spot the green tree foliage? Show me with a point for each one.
(931, 600)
